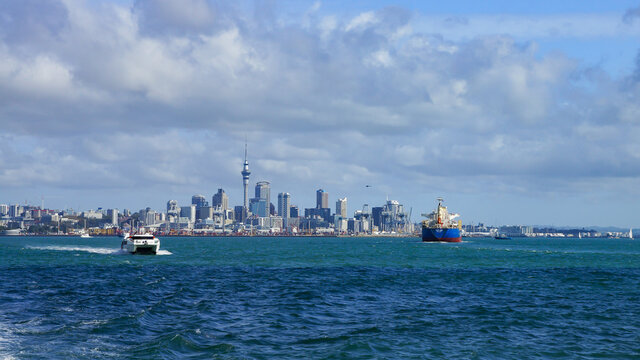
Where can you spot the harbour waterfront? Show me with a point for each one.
(265, 298)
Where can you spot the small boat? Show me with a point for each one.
(85, 236)
(502, 237)
(140, 244)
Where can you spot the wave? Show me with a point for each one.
(7, 340)
(92, 250)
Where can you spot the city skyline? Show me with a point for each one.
(514, 113)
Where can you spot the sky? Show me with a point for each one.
(522, 112)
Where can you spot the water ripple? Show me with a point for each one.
(101, 307)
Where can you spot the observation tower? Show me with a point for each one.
(245, 180)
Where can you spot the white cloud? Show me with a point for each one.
(174, 15)
(379, 58)
(362, 20)
(119, 102)
(526, 26)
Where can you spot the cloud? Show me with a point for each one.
(362, 21)
(636, 72)
(31, 20)
(174, 17)
(153, 97)
(630, 15)
(527, 26)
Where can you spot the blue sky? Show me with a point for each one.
(517, 112)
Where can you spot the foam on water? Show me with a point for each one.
(93, 250)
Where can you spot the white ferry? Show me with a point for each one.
(140, 244)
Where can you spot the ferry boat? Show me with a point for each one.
(441, 226)
(140, 244)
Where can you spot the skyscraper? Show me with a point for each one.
(172, 208)
(220, 199)
(263, 191)
(15, 210)
(284, 202)
(245, 180)
(259, 207)
(199, 201)
(112, 215)
(322, 199)
(341, 208)
(376, 216)
(188, 212)
(262, 202)
(293, 211)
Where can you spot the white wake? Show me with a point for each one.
(93, 250)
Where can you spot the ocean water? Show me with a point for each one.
(320, 298)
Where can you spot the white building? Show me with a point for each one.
(113, 215)
(341, 207)
(172, 208)
(92, 214)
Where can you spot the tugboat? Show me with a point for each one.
(441, 226)
(146, 244)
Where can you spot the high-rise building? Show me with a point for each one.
(259, 207)
(263, 191)
(204, 213)
(322, 199)
(15, 210)
(149, 216)
(237, 212)
(199, 201)
(172, 208)
(376, 216)
(188, 212)
(112, 214)
(284, 203)
(220, 199)
(294, 212)
(4, 209)
(245, 181)
(341, 208)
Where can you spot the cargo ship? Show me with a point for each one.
(441, 226)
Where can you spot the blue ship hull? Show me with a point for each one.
(437, 234)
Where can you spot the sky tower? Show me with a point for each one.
(245, 180)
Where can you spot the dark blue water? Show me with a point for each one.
(330, 298)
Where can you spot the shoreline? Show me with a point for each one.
(219, 236)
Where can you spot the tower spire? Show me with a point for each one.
(245, 181)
